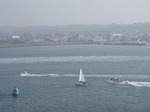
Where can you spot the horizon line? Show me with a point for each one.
(74, 25)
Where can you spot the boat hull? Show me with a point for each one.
(81, 84)
(25, 74)
(116, 82)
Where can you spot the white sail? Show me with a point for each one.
(81, 77)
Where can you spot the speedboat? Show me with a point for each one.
(25, 74)
(116, 80)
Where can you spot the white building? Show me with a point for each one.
(15, 37)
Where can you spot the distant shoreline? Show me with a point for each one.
(67, 43)
(40, 44)
(113, 34)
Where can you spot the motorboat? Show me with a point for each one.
(82, 81)
(115, 80)
(25, 74)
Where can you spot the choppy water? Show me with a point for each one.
(54, 70)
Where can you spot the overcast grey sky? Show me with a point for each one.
(64, 12)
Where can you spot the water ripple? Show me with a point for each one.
(74, 59)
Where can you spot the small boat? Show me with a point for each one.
(25, 74)
(15, 92)
(116, 80)
(82, 81)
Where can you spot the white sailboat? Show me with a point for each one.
(82, 81)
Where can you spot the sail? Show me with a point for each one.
(81, 77)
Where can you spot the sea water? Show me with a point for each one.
(50, 87)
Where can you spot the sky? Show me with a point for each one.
(68, 12)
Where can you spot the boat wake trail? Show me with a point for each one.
(25, 74)
(133, 83)
(48, 75)
(74, 59)
(138, 84)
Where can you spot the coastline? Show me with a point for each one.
(68, 43)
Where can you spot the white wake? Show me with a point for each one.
(138, 84)
(133, 83)
(48, 75)
(73, 59)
